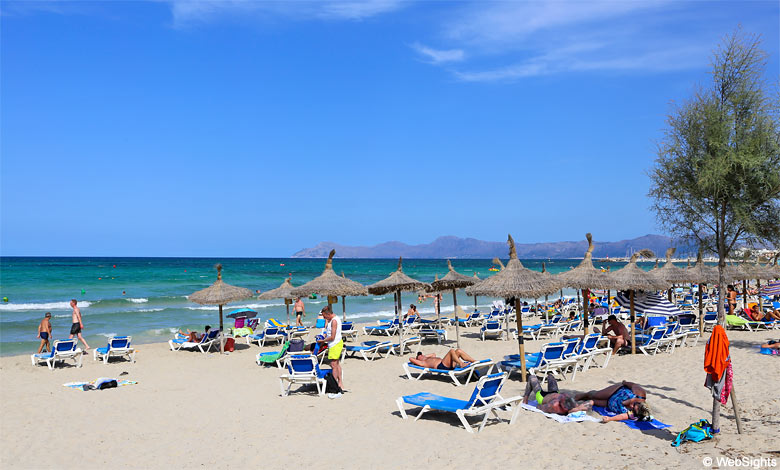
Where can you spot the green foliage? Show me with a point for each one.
(717, 174)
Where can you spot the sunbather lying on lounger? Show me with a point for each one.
(756, 314)
(627, 399)
(454, 358)
(194, 337)
(552, 401)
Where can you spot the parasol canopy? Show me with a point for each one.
(702, 273)
(397, 281)
(242, 312)
(284, 291)
(671, 273)
(585, 276)
(330, 283)
(452, 280)
(649, 303)
(632, 277)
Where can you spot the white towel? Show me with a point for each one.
(572, 418)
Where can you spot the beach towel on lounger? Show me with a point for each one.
(641, 425)
(577, 417)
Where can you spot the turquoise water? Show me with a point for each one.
(155, 302)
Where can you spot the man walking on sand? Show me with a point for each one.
(300, 311)
(44, 332)
(78, 325)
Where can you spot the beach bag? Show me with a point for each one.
(230, 345)
(696, 432)
(296, 345)
(331, 386)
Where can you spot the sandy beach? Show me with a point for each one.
(194, 410)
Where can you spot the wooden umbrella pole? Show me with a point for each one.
(584, 309)
(701, 310)
(633, 325)
(475, 303)
(744, 294)
(437, 305)
(401, 311)
(546, 310)
(343, 308)
(221, 334)
(521, 344)
(760, 300)
(288, 313)
(455, 312)
(669, 293)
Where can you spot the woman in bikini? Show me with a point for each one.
(454, 358)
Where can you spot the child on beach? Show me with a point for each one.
(44, 332)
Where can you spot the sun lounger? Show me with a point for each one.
(271, 333)
(303, 369)
(549, 359)
(117, 346)
(204, 345)
(650, 344)
(479, 368)
(61, 350)
(348, 331)
(395, 348)
(491, 329)
(273, 357)
(440, 334)
(485, 401)
(382, 329)
(369, 350)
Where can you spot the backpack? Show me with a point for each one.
(331, 386)
(696, 432)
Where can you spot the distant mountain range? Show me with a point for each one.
(455, 247)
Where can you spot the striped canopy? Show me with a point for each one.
(648, 303)
(773, 288)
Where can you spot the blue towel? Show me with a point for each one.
(641, 425)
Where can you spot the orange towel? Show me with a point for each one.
(716, 354)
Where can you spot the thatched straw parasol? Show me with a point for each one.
(453, 281)
(585, 277)
(671, 273)
(220, 294)
(519, 282)
(331, 284)
(281, 292)
(633, 278)
(397, 282)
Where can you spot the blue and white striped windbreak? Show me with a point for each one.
(773, 288)
(648, 303)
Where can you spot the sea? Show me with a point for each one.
(147, 297)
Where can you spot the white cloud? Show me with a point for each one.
(186, 12)
(437, 56)
(509, 41)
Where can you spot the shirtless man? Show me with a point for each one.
(44, 332)
(78, 325)
(454, 358)
(553, 401)
(617, 333)
(300, 311)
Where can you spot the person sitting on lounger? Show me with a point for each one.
(454, 358)
(625, 399)
(617, 333)
(552, 401)
(412, 313)
(194, 337)
(755, 314)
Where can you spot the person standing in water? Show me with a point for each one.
(78, 325)
(44, 332)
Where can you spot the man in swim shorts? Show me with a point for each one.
(626, 399)
(78, 325)
(44, 332)
(552, 401)
(332, 336)
(617, 333)
(454, 358)
(300, 311)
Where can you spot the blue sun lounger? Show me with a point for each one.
(369, 350)
(60, 350)
(485, 401)
(479, 368)
(303, 369)
(117, 346)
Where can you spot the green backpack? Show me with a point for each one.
(698, 431)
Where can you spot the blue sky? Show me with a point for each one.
(237, 128)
